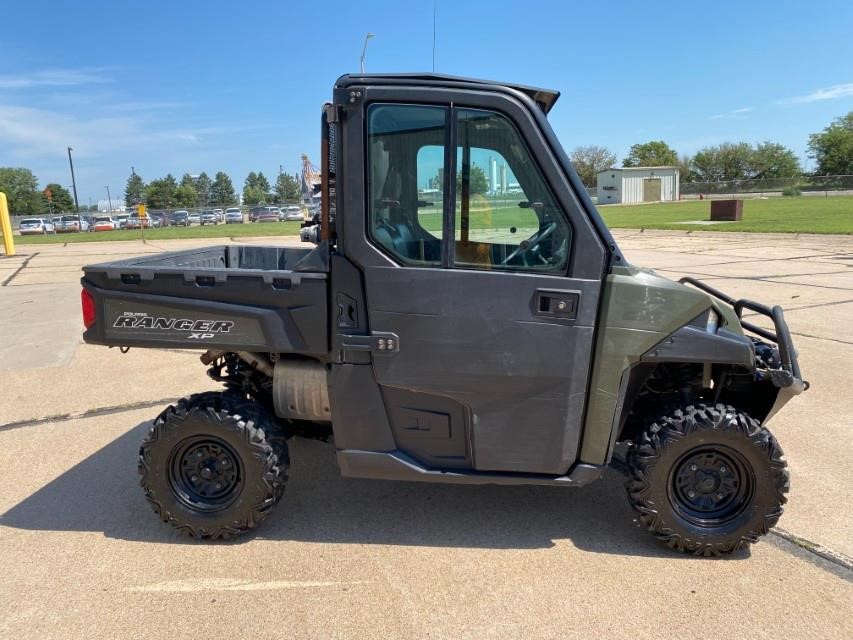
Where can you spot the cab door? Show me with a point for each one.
(482, 279)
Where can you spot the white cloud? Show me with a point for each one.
(27, 132)
(827, 93)
(53, 78)
(736, 114)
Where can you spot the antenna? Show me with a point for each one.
(364, 49)
(434, 3)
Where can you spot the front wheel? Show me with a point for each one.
(213, 466)
(707, 480)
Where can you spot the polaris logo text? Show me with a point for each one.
(201, 329)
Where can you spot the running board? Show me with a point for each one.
(396, 465)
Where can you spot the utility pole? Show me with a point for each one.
(109, 199)
(73, 181)
(364, 49)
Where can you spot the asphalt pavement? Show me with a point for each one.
(84, 557)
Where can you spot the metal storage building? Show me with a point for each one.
(637, 184)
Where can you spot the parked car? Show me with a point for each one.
(294, 212)
(220, 214)
(254, 212)
(36, 226)
(103, 223)
(121, 220)
(73, 224)
(233, 215)
(135, 221)
(208, 216)
(195, 218)
(268, 214)
(180, 219)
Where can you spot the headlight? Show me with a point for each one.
(713, 322)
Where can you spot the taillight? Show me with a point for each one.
(88, 308)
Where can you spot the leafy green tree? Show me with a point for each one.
(254, 195)
(222, 190)
(656, 153)
(256, 189)
(588, 161)
(685, 169)
(161, 193)
(287, 188)
(773, 160)
(727, 161)
(742, 161)
(60, 199)
(186, 194)
(262, 183)
(832, 148)
(478, 180)
(134, 190)
(21, 189)
(202, 188)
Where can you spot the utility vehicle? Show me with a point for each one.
(465, 317)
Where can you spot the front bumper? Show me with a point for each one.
(788, 376)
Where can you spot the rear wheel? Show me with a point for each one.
(213, 466)
(707, 480)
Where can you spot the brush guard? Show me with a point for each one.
(789, 374)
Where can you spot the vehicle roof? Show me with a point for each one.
(545, 98)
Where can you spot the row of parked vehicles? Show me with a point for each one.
(180, 218)
(75, 223)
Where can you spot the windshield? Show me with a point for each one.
(31, 221)
(70, 218)
(103, 219)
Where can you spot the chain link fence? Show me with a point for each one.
(795, 186)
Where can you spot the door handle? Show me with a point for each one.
(556, 304)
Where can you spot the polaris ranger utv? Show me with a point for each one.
(464, 317)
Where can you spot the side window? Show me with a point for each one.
(506, 215)
(406, 151)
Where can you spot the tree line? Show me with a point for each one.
(201, 191)
(832, 150)
(25, 198)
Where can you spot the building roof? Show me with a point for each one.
(545, 98)
(637, 168)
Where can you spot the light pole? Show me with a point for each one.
(109, 199)
(73, 181)
(364, 49)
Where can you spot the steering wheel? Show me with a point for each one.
(531, 243)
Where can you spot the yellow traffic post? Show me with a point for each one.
(6, 226)
(143, 214)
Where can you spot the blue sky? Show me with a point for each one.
(189, 86)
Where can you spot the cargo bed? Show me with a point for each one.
(230, 297)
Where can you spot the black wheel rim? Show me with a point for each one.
(205, 473)
(711, 486)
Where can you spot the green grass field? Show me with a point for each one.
(253, 229)
(775, 215)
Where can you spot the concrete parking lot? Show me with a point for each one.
(84, 557)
